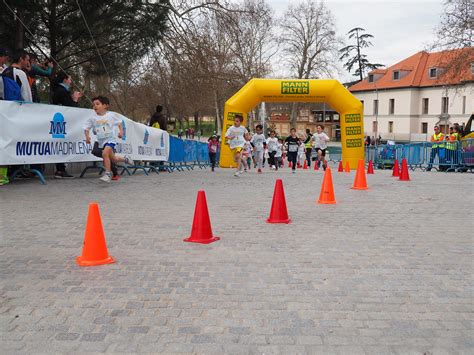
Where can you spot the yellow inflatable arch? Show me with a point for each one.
(289, 90)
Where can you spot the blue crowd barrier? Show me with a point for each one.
(442, 156)
(186, 154)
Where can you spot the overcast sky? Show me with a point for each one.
(401, 28)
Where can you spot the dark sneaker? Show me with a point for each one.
(63, 175)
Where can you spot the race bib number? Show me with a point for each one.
(103, 131)
(293, 148)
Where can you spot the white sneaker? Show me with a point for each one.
(106, 178)
(293, 171)
(128, 160)
(237, 173)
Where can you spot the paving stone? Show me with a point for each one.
(367, 275)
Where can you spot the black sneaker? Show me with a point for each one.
(63, 175)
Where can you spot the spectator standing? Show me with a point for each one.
(15, 81)
(437, 147)
(158, 120)
(36, 70)
(4, 58)
(186, 132)
(62, 96)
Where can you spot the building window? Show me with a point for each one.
(390, 126)
(376, 107)
(464, 105)
(444, 104)
(375, 126)
(426, 103)
(396, 75)
(424, 127)
(391, 106)
(433, 73)
(371, 78)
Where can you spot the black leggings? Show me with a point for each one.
(292, 157)
(272, 160)
(212, 158)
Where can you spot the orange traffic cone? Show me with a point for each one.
(360, 182)
(278, 212)
(404, 175)
(94, 251)
(316, 162)
(370, 169)
(340, 169)
(348, 167)
(396, 169)
(327, 189)
(201, 231)
(305, 165)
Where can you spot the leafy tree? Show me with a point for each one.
(353, 53)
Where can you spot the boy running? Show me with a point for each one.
(235, 136)
(292, 142)
(103, 124)
(257, 142)
(320, 140)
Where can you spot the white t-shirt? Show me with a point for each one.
(257, 140)
(104, 127)
(238, 134)
(272, 144)
(320, 140)
(247, 147)
(279, 150)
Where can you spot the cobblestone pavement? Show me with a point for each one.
(385, 271)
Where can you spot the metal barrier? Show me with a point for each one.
(186, 154)
(442, 156)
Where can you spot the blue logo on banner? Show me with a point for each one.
(124, 127)
(145, 139)
(58, 126)
(162, 141)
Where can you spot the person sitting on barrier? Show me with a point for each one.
(213, 147)
(235, 136)
(158, 120)
(436, 148)
(103, 124)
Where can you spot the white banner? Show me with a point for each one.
(33, 133)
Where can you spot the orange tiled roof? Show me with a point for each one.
(455, 64)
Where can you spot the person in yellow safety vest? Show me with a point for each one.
(308, 147)
(452, 145)
(437, 148)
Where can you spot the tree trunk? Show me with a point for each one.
(218, 121)
(293, 116)
(20, 30)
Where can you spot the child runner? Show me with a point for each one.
(103, 124)
(320, 140)
(301, 155)
(235, 136)
(257, 142)
(246, 152)
(272, 146)
(213, 147)
(292, 142)
(279, 153)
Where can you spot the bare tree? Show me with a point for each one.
(309, 41)
(457, 23)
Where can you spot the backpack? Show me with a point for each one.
(11, 85)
